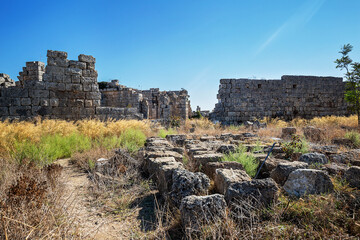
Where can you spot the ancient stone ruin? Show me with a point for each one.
(68, 89)
(153, 103)
(192, 175)
(293, 96)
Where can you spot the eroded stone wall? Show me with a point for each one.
(293, 96)
(152, 103)
(68, 89)
(65, 89)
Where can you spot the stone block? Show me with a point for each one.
(210, 168)
(308, 181)
(73, 71)
(225, 177)
(260, 192)
(186, 183)
(197, 211)
(283, 170)
(54, 102)
(4, 111)
(86, 58)
(314, 158)
(73, 87)
(93, 95)
(20, 111)
(25, 101)
(88, 103)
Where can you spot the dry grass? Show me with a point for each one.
(33, 131)
(30, 197)
(31, 206)
(205, 126)
(333, 126)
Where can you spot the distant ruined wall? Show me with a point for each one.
(293, 96)
(153, 103)
(68, 89)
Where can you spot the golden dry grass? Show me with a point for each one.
(333, 126)
(33, 131)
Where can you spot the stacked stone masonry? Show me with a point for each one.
(153, 103)
(241, 100)
(68, 89)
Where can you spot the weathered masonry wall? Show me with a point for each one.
(68, 89)
(64, 89)
(292, 96)
(153, 103)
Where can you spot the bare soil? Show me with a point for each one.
(92, 222)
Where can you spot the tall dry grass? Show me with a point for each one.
(333, 126)
(14, 133)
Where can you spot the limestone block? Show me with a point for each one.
(88, 103)
(25, 101)
(308, 181)
(186, 183)
(225, 177)
(197, 211)
(20, 111)
(314, 158)
(261, 192)
(73, 87)
(93, 95)
(73, 71)
(201, 160)
(86, 58)
(283, 170)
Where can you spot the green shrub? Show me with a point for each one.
(247, 160)
(354, 137)
(164, 132)
(296, 145)
(50, 148)
(132, 139)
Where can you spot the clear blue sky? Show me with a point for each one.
(183, 44)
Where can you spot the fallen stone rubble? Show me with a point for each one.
(190, 175)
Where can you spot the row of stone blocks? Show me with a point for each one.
(188, 190)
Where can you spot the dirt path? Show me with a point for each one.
(92, 224)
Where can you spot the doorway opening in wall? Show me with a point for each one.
(259, 85)
(294, 86)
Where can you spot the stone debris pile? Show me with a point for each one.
(191, 175)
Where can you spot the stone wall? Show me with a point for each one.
(153, 103)
(63, 89)
(68, 89)
(293, 96)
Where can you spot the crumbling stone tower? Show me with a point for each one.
(65, 89)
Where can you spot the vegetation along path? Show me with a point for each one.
(91, 222)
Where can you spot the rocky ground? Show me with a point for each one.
(187, 176)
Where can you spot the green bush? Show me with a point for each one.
(132, 139)
(296, 145)
(247, 160)
(50, 148)
(164, 132)
(354, 137)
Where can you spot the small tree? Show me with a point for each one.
(352, 78)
